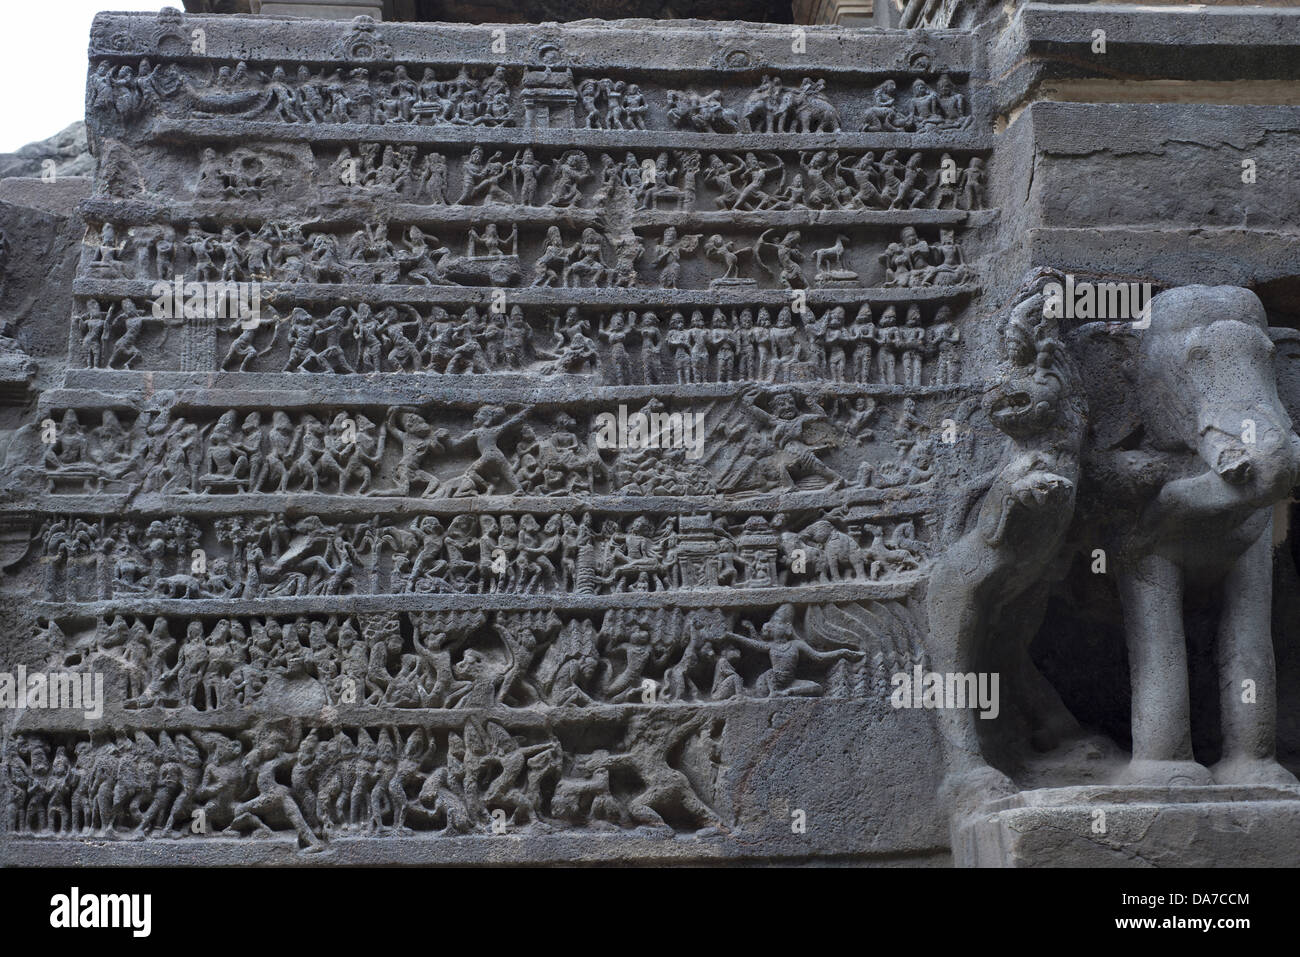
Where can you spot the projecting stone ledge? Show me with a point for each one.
(1101, 826)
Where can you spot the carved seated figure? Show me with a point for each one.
(882, 116)
(638, 556)
(226, 465)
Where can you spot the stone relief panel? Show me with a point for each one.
(610, 441)
(126, 96)
(452, 448)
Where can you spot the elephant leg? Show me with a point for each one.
(1152, 595)
(1247, 675)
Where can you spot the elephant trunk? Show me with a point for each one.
(1261, 459)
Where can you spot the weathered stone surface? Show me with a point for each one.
(1134, 827)
(68, 150)
(338, 476)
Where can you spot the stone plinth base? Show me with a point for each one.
(1134, 827)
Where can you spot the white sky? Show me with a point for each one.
(43, 64)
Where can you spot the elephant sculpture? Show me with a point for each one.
(1189, 447)
(765, 110)
(1167, 447)
(815, 113)
(776, 109)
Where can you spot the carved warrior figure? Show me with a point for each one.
(382, 253)
(369, 781)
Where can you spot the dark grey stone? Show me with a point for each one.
(372, 574)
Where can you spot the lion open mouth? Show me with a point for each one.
(1010, 404)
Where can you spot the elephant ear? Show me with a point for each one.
(1287, 362)
(1106, 354)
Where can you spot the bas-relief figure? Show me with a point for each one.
(431, 603)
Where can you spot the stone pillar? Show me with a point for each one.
(199, 346)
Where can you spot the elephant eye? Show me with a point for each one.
(1198, 354)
